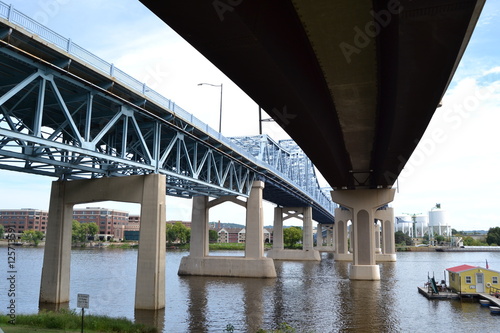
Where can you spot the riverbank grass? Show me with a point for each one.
(70, 321)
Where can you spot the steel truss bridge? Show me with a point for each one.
(66, 113)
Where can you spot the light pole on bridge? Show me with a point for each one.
(220, 104)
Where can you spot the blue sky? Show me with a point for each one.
(455, 163)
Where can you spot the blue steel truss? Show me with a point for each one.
(66, 113)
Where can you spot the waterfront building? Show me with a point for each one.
(229, 235)
(24, 219)
(238, 235)
(473, 279)
(187, 224)
(109, 221)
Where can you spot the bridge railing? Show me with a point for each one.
(283, 165)
(286, 159)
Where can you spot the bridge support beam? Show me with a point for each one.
(254, 264)
(386, 216)
(319, 235)
(308, 252)
(325, 244)
(147, 190)
(363, 203)
(342, 217)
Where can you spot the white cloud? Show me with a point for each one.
(493, 70)
(457, 167)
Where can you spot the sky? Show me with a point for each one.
(454, 164)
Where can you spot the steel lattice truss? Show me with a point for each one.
(62, 117)
(286, 159)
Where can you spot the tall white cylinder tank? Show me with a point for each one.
(421, 224)
(438, 218)
(403, 223)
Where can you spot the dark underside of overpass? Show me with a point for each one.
(354, 83)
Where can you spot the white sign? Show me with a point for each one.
(82, 301)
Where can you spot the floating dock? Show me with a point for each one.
(444, 295)
(440, 295)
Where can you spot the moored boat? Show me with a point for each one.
(494, 310)
(484, 302)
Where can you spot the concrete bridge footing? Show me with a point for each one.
(363, 205)
(308, 252)
(149, 191)
(254, 264)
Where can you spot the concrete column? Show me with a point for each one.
(54, 287)
(329, 236)
(307, 232)
(308, 252)
(199, 227)
(378, 249)
(363, 204)
(342, 216)
(332, 231)
(254, 264)
(386, 215)
(319, 235)
(149, 191)
(254, 243)
(278, 229)
(325, 244)
(150, 280)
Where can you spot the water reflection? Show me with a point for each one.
(215, 302)
(154, 318)
(313, 297)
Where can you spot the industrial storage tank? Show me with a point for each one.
(437, 218)
(438, 221)
(421, 224)
(404, 224)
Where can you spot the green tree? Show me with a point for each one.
(402, 238)
(213, 236)
(439, 239)
(178, 233)
(468, 241)
(32, 236)
(75, 230)
(2, 232)
(292, 236)
(493, 236)
(81, 231)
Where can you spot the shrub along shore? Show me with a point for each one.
(70, 321)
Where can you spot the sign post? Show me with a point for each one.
(82, 302)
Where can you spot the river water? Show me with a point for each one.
(309, 296)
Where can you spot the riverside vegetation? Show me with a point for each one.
(70, 321)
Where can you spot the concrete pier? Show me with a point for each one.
(308, 252)
(149, 191)
(254, 264)
(342, 217)
(363, 204)
(325, 244)
(386, 216)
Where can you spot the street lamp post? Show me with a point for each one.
(220, 106)
(262, 120)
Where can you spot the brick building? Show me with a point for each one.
(24, 219)
(109, 221)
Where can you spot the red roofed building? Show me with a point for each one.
(473, 279)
